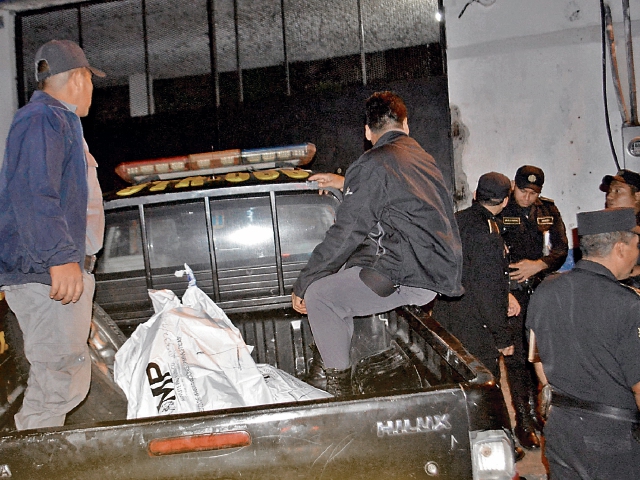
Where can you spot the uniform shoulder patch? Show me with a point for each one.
(545, 199)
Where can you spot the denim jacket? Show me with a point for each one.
(43, 192)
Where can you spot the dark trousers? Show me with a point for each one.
(333, 301)
(584, 446)
(520, 373)
(470, 330)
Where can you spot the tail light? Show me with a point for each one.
(198, 443)
(492, 455)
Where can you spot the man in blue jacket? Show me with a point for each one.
(395, 234)
(51, 225)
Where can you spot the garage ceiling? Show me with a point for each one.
(178, 41)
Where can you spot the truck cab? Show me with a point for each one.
(246, 233)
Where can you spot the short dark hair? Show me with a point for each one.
(491, 202)
(385, 110)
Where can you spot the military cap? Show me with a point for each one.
(493, 186)
(607, 220)
(531, 177)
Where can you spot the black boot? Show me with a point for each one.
(386, 371)
(316, 376)
(339, 382)
(536, 419)
(525, 430)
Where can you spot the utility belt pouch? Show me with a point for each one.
(545, 400)
(378, 283)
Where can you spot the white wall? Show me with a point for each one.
(8, 94)
(526, 76)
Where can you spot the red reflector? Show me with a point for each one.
(198, 443)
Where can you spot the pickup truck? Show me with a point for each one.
(246, 235)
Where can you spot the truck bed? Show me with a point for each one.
(384, 435)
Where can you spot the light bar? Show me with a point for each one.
(212, 163)
(225, 158)
(129, 171)
(200, 181)
(303, 153)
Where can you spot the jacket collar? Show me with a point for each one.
(513, 206)
(43, 97)
(483, 210)
(389, 137)
(596, 268)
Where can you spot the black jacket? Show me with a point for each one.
(524, 232)
(396, 217)
(479, 317)
(587, 329)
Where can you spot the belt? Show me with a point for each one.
(89, 263)
(564, 401)
(528, 285)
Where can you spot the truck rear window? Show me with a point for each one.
(243, 233)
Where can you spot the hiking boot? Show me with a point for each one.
(525, 430)
(536, 418)
(316, 376)
(386, 371)
(339, 382)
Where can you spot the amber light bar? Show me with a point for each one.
(198, 443)
(212, 163)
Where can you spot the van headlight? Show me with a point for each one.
(492, 455)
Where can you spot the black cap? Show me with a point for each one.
(607, 220)
(61, 56)
(531, 177)
(493, 186)
(623, 176)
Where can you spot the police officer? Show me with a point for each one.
(535, 235)
(587, 329)
(479, 317)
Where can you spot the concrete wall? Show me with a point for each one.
(526, 79)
